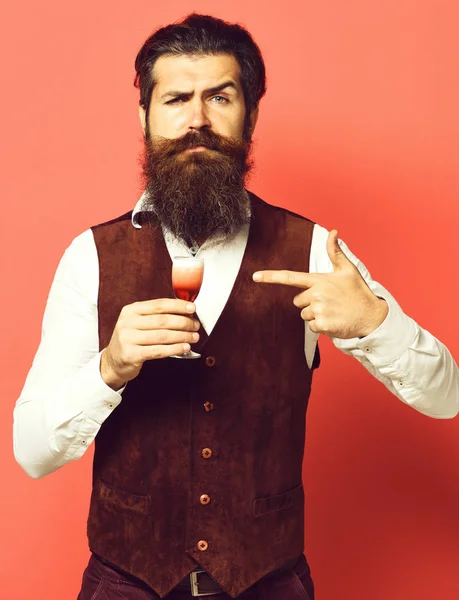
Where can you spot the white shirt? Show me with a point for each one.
(65, 401)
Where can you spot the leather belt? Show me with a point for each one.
(199, 583)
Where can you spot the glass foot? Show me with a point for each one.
(189, 354)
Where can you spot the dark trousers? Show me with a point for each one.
(101, 582)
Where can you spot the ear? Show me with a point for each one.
(143, 119)
(253, 120)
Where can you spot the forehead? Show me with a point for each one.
(189, 72)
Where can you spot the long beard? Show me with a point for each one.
(198, 195)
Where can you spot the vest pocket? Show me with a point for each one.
(292, 498)
(122, 500)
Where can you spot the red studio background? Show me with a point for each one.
(359, 131)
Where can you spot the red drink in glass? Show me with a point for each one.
(187, 275)
(187, 281)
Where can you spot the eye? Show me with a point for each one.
(220, 99)
(175, 100)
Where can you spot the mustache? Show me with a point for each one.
(193, 139)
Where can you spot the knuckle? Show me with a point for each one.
(299, 300)
(317, 295)
(161, 321)
(320, 324)
(147, 354)
(319, 309)
(161, 305)
(157, 306)
(312, 327)
(156, 353)
(161, 337)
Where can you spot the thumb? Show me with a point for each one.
(335, 254)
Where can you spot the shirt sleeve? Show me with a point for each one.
(65, 400)
(407, 359)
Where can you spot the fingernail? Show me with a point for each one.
(257, 277)
(190, 307)
(195, 336)
(197, 325)
(186, 347)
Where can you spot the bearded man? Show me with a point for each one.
(197, 475)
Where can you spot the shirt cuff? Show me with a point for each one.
(389, 341)
(98, 399)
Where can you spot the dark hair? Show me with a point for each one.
(203, 35)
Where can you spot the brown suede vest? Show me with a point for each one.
(245, 400)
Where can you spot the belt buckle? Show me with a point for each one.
(194, 584)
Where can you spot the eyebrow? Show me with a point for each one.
(213, 90)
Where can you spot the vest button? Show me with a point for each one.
(208, 406)
(210, 361)
(202, 545)
(206, 453)
(204, 499)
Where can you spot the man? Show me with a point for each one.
(197, 484)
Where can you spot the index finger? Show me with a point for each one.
(164, 306)
(292, 278)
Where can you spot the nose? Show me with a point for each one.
(198, 115)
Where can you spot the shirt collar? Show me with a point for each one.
(140, 208)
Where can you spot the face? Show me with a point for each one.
(197, 147)
(195, 93)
